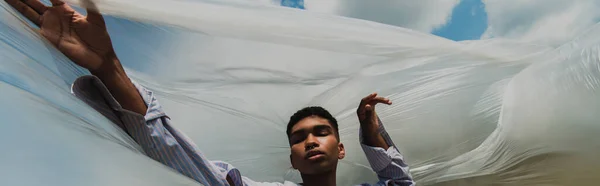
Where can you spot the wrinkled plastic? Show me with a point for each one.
(229, 74)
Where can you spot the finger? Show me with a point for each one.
(93, 15)
(27, 11)
(367, 99)
(381, 100)
(372, 95)
(36, 5)
(57, 2)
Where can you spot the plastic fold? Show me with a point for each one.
(230, 73)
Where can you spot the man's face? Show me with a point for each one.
(314, 145)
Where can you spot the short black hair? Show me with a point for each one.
(309, 112)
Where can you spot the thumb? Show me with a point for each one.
(93, 15)
(57, 2)
(368, 108)
(367, 115)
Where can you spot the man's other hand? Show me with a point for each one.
(366, 109)
(83, 39)
(369, 122)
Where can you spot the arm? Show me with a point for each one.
(85, 40)
(371, 134)
(121, 88)
(384, 157)
(153, 131)
(158, 138)
(86, 43)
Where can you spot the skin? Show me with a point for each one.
(85, 40)
(317, 134)
(369, 122)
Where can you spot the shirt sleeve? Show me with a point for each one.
(389, 164)
(153, 132)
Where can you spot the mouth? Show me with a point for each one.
(314, 154)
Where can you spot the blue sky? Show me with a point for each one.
(467, 22)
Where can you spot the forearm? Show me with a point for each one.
(151, 130)
(388, 162)
(371, 134)
(119, 85)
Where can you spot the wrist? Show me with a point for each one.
(110, 66)
(369, 126)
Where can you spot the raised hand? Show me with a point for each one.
(83, 39)
(369, 122)
(366, 109)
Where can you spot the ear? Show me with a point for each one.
(292, 161)
(341, 150)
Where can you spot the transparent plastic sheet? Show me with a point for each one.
(229, 74)
(50, 137)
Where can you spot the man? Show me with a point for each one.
(312, 132)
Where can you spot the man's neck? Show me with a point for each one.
(323, 179)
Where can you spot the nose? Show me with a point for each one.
(311, 142)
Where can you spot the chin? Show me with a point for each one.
(321, 167)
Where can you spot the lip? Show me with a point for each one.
(314, 154)
(316, 157)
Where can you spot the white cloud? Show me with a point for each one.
(266, 1)
(421, 15)
(550, 22)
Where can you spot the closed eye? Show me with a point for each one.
(323, 132)
(297, 138)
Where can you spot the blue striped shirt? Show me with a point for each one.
(165, 144)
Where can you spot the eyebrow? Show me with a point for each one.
(317, 127)
(322, 126)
